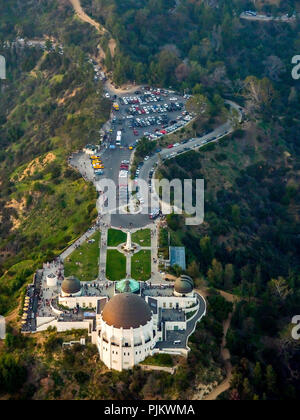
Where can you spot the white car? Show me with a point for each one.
(146, 158)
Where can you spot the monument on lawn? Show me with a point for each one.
(129, 247)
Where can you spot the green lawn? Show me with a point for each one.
(141, 266)
(115, 265)
(83, 263)
(159, 360)
(116, 237)
(142, 237)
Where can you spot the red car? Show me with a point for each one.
(170, 146)
(163, 131)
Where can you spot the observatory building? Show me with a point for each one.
(126, 333)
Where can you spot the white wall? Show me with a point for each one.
(65, 326)
(113, 352)
(169, 302)
(85, 302)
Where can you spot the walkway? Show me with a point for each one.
(156, 275)
(103, 253)
(78, 242)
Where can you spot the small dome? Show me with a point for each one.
(184, 285)
(71, 286)
(126, 310)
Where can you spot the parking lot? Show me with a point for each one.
(150, 113)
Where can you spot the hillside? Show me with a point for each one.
(50, 107)
(246, 252)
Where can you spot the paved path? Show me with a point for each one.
(78, 242)
(156, 275)
(103, 254)
(128, 266)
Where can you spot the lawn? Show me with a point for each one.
(159, 360)
(116, 265)
(83, 262)
(142, 237)
(141, 266)
(116, 237)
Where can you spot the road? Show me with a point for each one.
(265, 18)
(193, 144)
(112, 159)
(183, 336)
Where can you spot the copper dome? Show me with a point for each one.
(184, 285)
(71, 285)
(126, 310)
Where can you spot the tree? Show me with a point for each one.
(145, 147)
(193, 270)
(12, 373)
(257, 375)
(108, 60)
(229, 276)
(247, 391)
(198, 104)
(259, 93)
(280, 288)
(271, 379)
(215, 274)
(48, 45)
(207, 252)
(182, 72)
(236, 214)
(274, 67)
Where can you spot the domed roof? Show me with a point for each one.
(126, 310)
(184, 284)
(71, 285)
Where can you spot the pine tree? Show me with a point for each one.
(271, 379)
(228, 276)
(257, 375)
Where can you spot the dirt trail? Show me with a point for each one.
(102, 31)
(83, 16)
(112, 45)
(225, 354)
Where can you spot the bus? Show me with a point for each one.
(119, 138)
